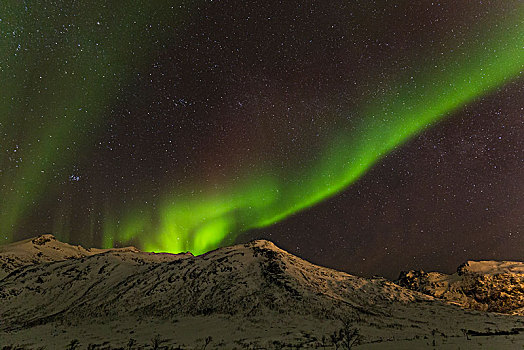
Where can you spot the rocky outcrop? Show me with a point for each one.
(496, 286)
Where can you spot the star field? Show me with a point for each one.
(370, 136)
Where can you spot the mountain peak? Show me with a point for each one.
(43, 239)
(263, 243)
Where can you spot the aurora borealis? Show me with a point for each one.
(180, 126)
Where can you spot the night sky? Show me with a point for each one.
(367, 136)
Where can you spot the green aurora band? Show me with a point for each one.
(59, 68)
(420, 98)
(199, 220)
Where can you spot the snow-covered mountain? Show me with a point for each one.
(242, 296)
(46, 248)
(496, 286)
